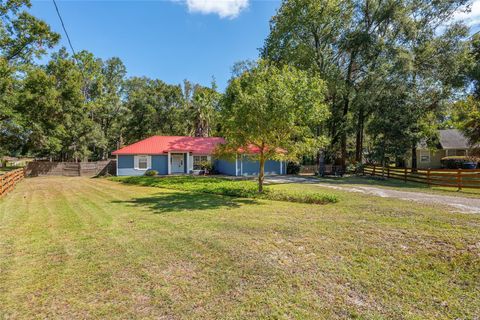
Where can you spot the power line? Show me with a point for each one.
(63, 26)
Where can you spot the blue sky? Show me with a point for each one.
(168, 40)
(174, 40)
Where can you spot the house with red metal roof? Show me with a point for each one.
(186, 155)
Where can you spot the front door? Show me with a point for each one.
(178, 165)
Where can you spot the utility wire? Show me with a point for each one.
(71, 46)
(64, 29)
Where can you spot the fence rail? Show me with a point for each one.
(70, 169)
(10, 179)
(308, 169)
(456, 178)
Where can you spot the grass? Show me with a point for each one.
(6, 169)
(400, 185)
(228, 187)
(94, 248)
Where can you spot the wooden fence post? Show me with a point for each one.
(428, 176)
(405, 178)
(373, 172)
(388, 172)
(459, 179)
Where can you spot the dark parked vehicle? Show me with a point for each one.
(460, 162)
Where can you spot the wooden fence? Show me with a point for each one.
(455, 178)
(70, 169)
(308, 169)
(9, 179)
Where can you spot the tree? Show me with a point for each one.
(466, 115)
(200, 108)
(110, 109)
(347, 42)
(38, 100)
(22, 37)
(153, 107)
(268, 109)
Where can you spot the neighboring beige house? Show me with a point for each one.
(452, 143)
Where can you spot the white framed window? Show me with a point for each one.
(198, 160)
(424, 156)
(143, 162)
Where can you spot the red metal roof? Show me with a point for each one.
(165, 144)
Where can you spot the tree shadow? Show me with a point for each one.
(186, 201)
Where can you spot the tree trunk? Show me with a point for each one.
(261, 173)
(414, 158)
(359, 137)
(383, 159)
(343, 134)
(346, 106)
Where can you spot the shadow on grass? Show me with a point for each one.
(186, 201)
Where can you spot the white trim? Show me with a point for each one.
(188, 163)
(241, 165)
(182, 154)
(116, 165)
(209, 159)
(236, 165)
(169, 170)
(136, 162)
(425, 155)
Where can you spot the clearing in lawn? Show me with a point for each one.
(94, 248)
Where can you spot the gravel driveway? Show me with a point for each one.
(462, 204)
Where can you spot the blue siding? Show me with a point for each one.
(245, 167)
(126, 167)
(225, 167)
(160, 163)
(251, 167)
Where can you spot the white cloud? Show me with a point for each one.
(470, 17)
(224, 8)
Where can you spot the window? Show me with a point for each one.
(142, 162)
(198, 161)
(424, 156)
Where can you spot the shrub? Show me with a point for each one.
(293, 168)
(226, 187)
(151, 173)
(316, 198)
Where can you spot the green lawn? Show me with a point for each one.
(228, 187)
(400, 185)
(94, 248)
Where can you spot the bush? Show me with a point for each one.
(293, 168)
(151, 173)
(316, 198)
